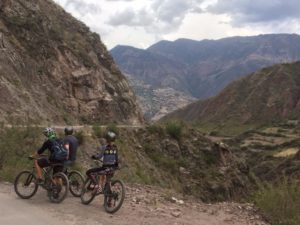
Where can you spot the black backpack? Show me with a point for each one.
(58, 152)
(110, 156)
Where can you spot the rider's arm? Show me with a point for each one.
(43, 148)
(67, 147)
(100, 154)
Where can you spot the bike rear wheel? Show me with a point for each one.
(87, 192)
(114, 196)
(59, 187)
(76, 182)
(25, 184)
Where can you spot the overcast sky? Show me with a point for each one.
(140, 23)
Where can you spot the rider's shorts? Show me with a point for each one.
(44, 162)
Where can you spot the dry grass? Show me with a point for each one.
(287, 152)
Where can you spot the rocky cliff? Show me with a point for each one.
(53, 69)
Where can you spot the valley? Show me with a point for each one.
(199, 69)
(207, 131)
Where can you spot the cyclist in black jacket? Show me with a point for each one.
(110, 160)
(45, 162)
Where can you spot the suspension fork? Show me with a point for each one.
(30, 177)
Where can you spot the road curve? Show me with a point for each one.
(74, 126)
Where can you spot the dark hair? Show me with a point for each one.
(68, 130)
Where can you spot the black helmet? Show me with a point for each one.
(110, 136)
(68, 130)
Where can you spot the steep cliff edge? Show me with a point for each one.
(53, 69)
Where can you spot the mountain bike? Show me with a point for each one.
(56, 185)
(76, 181)
(113, 191)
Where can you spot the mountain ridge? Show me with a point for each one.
(269, 95)
(202, 69)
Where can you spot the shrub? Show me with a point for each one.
(13, 159)
(214, 133)
(281, 202)
(80, 137)
(98, 132)
(174, 129)
(113, 127)
(155, 129)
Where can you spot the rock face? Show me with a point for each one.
(53, 69)
(201, 69)
(269, 95)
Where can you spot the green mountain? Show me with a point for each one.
(271, 94)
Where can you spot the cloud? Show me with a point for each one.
(81, 7)
(251, 12)
(160, 16)
(119, 0)
(129, 17)
(143, 22)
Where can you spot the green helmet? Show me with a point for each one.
(49, 133)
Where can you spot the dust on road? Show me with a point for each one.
(143, 205)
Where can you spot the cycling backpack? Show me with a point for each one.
(58, 152)
(110, 156)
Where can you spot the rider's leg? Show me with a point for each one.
(39, 164)
(102, 181)
(92, 171)
(38, 170)
(57, 169)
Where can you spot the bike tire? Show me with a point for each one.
(76, 182)
(115, 196)
(58, 192)
(29, 183)
(87, 194)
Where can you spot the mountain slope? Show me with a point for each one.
(214, 64)
(202, 69)
(268, 95)
(53, 69)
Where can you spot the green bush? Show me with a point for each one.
(80, 137)
(162, 160)
(214, 133)
(280, 203)
(16, 144)
(174, 129)
(113, 127)
(155, 129)
(98, 132)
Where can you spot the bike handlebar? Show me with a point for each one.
(33, 157)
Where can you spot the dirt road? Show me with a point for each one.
(143, 206)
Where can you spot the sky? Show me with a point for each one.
(141, 23)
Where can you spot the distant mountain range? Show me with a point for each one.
(201, 69)
(269, 95)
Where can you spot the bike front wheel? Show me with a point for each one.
(87, 192)
(25, 184)
(114, 196)
(76, 182)
(59, 188)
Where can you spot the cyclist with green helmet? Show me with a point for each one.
(42, 162)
